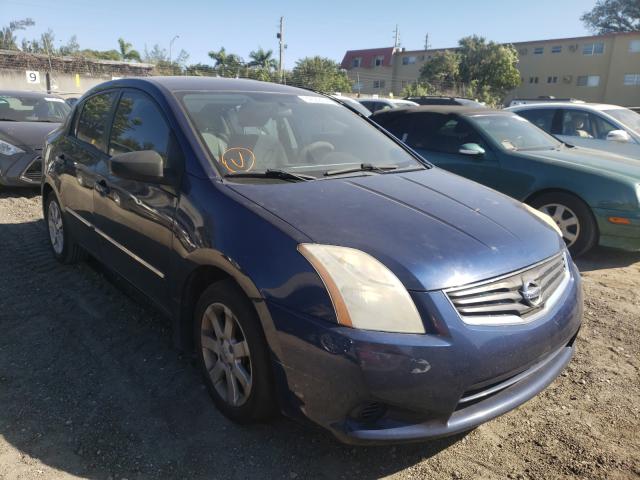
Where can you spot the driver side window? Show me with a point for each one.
(577, 123)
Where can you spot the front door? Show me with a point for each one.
(135, 218)
(439, 139)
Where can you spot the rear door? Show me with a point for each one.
(76, 158)
(547, 119)
(135, 218)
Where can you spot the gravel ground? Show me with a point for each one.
(90, 387)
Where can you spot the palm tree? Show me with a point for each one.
(228, 64)
(263, 59)
(127, 52)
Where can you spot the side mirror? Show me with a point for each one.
(618, 136)
(143, 165)
(471, 149)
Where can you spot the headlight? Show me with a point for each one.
(8, 149)
(545, 218)
(365, 294)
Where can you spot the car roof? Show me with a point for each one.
(444, 109)
(27, 93)
(177, 84)
(584, 105)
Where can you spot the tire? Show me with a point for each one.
(224, 360)
(63, 246)
(573, 216)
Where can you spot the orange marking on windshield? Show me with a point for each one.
(238, 159)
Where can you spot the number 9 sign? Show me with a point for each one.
(33, 76)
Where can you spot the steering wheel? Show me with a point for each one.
(315, 151)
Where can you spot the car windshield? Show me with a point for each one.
(32, 108)
(512, 132)
(254, 132)
(628, 117)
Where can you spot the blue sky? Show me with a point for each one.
(326, 28)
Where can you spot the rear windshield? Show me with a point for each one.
(30, 108)
(310, 134)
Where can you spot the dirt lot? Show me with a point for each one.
(91, 387)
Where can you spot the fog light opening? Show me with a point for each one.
(369, 412)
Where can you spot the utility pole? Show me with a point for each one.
(170, 46)
(280, 37)
(426, 42)
(396, 32)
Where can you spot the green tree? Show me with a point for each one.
(613, 16)
(127, 53)
(488, 68)
(263, 59)
(159, 57)
(44, 44)
(100, 54)
(227, 64)
(321, 74)
(442, 70)
(7, 34)
(72, 47)
(418, 89)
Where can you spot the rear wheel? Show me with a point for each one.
(63, 246)
(233, 354)
(573, 217)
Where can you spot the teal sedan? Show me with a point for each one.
(593, 196)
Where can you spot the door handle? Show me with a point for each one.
(102, 188)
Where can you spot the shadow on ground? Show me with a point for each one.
(601, 258)
(90, 385)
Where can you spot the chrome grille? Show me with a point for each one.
(519, 294)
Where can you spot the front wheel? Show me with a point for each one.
(573, 217)
(233, 354)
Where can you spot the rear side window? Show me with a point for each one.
(540, 117)
(92, 123)
(138, 124)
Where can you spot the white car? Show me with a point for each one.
(379, 104)
(591, 125)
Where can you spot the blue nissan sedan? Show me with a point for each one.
(312, 263)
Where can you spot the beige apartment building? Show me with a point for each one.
(600, 68)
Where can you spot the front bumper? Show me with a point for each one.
(21, 170)
(625, 237)
(375, 387)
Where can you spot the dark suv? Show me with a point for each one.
(312, 262)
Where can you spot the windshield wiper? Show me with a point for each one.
(273, 173)
(363, 167)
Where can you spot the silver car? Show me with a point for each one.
(599, 126)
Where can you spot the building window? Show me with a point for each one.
(533, 79)
(357, 62)
(634, 46)
(552, 79)
(378, 60)
(596, 48)
(588, 81)
(538, 50)
(408, 60)
(632, 79)
(556, 49)
(378, 84)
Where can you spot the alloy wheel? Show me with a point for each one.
(56, 229)
(226, 354)
(566, 219)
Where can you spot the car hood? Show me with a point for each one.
(26, 134)
(433, 229)
(587, 158)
